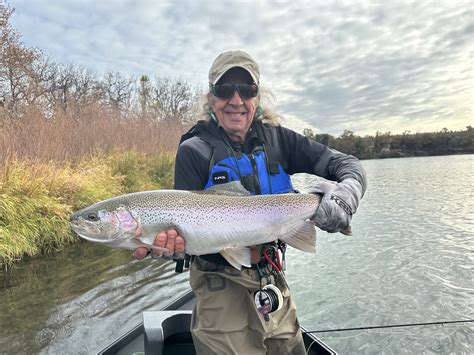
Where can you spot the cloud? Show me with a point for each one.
(364, 65)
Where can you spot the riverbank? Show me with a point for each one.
(37, 198)
(418, 154)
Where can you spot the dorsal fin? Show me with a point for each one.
(233, 188)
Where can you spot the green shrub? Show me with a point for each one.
(37, 199)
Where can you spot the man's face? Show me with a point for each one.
(235, 114)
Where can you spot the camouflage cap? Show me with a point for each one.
(231, 59)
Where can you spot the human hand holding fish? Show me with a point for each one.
(167, 244)
(338, 204)
(170, 245)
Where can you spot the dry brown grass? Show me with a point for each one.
(51, 167)
(65, 138)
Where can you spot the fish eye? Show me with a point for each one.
(92, 217)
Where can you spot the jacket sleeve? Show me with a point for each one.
(305, 155)
(192, 165)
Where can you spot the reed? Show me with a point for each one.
(67, 137)
(37, 197)
(141, 171)
(51, 166)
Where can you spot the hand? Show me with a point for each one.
(338, 204)
(169, 240)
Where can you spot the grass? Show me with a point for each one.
(37, 198)
(51, 167)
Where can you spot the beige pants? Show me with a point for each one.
(226, 321)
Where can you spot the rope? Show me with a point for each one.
(390, 326)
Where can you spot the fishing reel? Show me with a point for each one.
(269, 299)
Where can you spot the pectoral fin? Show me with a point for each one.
(237, 257)
(301, 235)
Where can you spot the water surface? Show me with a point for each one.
(410, 260)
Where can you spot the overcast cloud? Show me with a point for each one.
(366, 66)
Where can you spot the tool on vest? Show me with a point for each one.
(282, 247)
(272, 256)
(267, 300)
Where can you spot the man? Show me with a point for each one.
(240, 140)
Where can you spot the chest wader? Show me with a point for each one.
(249, 311)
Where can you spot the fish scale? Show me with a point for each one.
(226, 219)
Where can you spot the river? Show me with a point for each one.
(410, 260)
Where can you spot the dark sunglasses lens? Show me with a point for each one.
(248, 90)
(226, 91)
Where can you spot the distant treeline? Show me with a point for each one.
(387, 145)
(43, 103)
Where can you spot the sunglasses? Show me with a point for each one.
(226, 91)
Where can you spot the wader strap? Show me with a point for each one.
(179, 266)
(182, 263)
(272, 148)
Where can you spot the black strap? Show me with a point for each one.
(179, 266)
(182, 263)
(272, 147)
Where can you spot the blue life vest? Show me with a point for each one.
(252, 171)
(260, 171)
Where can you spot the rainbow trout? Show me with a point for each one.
(225, 219)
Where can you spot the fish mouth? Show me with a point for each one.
(73, 218)
(90, 232)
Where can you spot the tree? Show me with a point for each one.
(174, 99)
(359, 147)
(16, 63)
(346, 142)
(409, 143)
(381, 141)
(308, 132)
(118, 90)
(323, 138)
(144, 94)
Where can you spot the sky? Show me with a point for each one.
(364, 66)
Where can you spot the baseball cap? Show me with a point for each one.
(231, 59)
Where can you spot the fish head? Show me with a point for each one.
(100, 224)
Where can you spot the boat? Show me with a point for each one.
(166, 332)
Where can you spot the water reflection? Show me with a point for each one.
(410, 260)
(79, 300)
